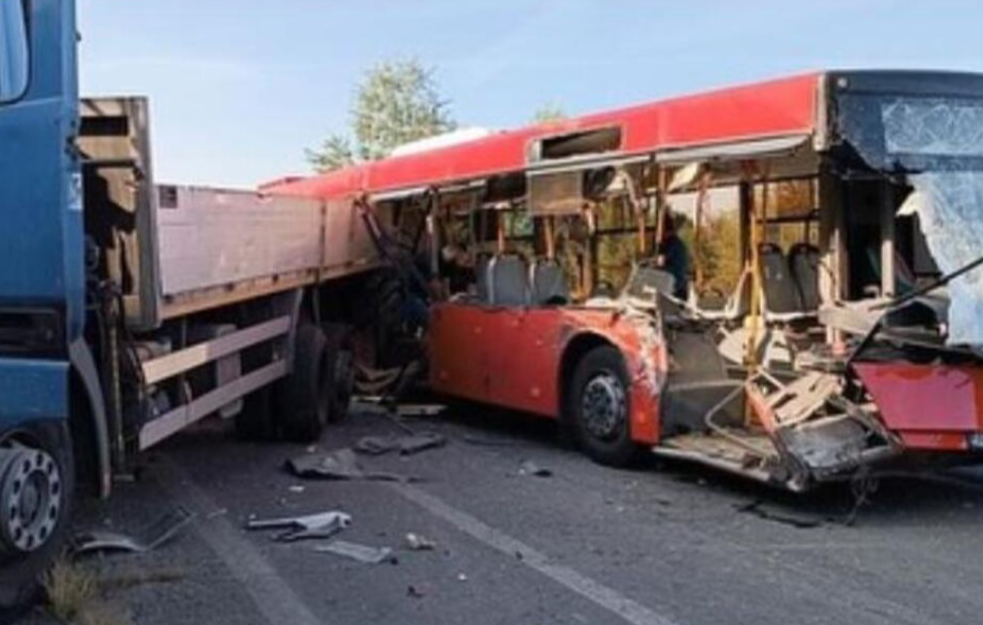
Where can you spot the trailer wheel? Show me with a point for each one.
(305, 395)
(341, 374)
(600, 406)
(37, 484)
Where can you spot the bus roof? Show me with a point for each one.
(761, 110)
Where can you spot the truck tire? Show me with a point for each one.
(255, 421)
(338, 342)
(305, 395)
(31, 540)
(600, 407)
(381, 313)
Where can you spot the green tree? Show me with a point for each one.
(550, 112)
(395, 103)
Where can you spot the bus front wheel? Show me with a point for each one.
(599, 404)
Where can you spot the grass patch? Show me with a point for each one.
(78, 595)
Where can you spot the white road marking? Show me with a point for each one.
(601, 595)
(274, 598)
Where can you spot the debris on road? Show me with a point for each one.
(413, 591)
(528, 467)
(406, 445)
(420, 410)
(296, 489)
(799, 521)
(339, 464)
(148, 539)
(416, 542)
(357, 552)
(322, 525)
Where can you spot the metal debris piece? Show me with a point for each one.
(296, 489)
(760, 510)
(406, 445)
(416, 542)
(357, 552)
(528, 467)
(339, 464)
(148, 539)
(420, 410)
(322, 525)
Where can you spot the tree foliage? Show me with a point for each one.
(395, 103)
(550, 112)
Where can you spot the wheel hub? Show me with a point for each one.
(30, 498)
(603, 406)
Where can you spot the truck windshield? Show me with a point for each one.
(14, 65)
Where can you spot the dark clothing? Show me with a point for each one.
(459, 277)
(677, 263)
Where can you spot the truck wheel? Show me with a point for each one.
(341, 361)
(254, 422)
(600, 406)
(305, 395)
(37, 484)
(381, 312)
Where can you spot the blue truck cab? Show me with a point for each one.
(42, 288)
(115, 332)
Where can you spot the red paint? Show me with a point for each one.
(934, 441)
(512, 357)
(930, 398)
(773, 108)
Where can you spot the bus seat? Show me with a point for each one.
(781, 299)
(549, 283)
(508, 281)
(737, 304)
(780, 293)
(803, 260)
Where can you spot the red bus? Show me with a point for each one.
(778, 279)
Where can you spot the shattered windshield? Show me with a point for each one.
(938, 142)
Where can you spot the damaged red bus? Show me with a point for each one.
(848, 338)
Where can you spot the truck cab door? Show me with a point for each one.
(41, 260)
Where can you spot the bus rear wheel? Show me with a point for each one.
(600, 407)
(36, 490)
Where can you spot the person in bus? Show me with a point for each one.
(674, 257)
(457, 268)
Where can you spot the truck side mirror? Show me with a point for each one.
(14, 50)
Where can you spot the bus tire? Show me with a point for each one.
(600, 405)
(305, 395)
(47, 463)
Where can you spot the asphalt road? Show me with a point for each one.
(661, 544)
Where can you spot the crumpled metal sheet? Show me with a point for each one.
(340, 464)
(151, 537)
(406, 445)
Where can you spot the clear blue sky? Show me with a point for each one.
(239, 88)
